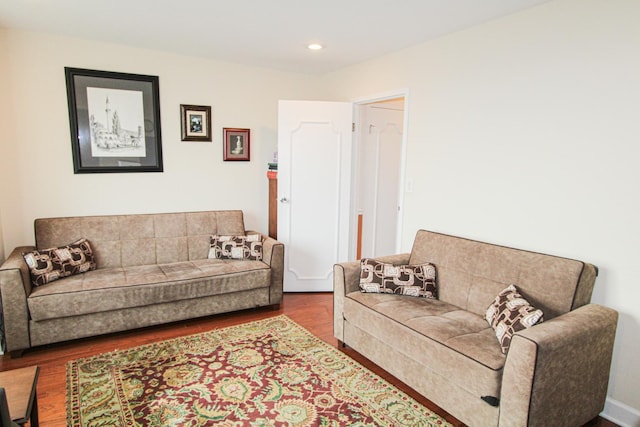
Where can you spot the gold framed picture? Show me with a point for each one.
(196, 122)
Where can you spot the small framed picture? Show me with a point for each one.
(196, 122)
(236, 144)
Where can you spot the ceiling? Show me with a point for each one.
(265, 33)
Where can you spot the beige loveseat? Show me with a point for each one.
(554, 373)
(151, 269)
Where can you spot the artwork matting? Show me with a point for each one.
(237, 144)
(195, 122)
(114, 120)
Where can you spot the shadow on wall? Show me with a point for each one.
(2, 257)
(600, 293)
(623, 413)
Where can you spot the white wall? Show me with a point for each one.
(37, 169)
(4, 123)
(524, 131)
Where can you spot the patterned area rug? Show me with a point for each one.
(272, 372)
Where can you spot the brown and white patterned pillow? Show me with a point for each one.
(411, 280)
(47, 265)
(510, 313)
(247, 247)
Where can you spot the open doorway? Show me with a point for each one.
(378, 175)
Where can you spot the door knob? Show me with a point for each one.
(284, 200)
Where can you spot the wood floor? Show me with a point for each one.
(314, 311)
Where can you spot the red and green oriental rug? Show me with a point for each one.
(271, 372)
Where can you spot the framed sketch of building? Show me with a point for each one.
(114, 120)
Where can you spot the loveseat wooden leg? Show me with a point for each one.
(16, 354)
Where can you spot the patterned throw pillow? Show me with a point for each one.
(411, 280)
(247, 247)
(47, 265)
(510, 313)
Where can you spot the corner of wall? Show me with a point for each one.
(3, 118)
(621, 414)
(2, 253)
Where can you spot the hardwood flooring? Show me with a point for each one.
(314, 311)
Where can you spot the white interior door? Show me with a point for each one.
(380, 153)
(314, 164)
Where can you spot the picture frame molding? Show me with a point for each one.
(230, 147)
(188, 135)
(78, 81)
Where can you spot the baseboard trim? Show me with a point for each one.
(621, 414)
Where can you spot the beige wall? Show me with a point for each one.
(524, 131)
(4, 141)
(36, 152)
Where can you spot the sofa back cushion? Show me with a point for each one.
(141, 239)
(472, 273)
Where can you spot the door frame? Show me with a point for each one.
(355, 166)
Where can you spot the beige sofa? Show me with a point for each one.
(554, 373)
(151, 269)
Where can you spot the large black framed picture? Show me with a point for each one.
(115, 121)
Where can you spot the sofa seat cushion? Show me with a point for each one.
(124, 287)
(450, 341)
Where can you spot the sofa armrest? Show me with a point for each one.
(346, 279)
(15, 286)
(273, 255)
(557, 372)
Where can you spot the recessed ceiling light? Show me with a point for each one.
(315, 46)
